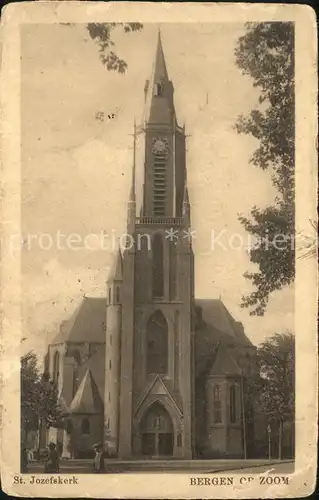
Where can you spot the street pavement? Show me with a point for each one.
(190, 467)
(277, 468)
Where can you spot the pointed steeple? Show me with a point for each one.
(160, 70)
(159, 107)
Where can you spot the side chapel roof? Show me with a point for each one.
(216, 326)
(224, 363)
(87, 399)
(86, 324)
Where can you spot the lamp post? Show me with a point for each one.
(243, 413)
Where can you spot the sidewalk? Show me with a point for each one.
(81, 466)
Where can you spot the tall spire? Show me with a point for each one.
(159, 107)
(160, 70)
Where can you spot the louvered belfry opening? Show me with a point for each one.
(159, 186)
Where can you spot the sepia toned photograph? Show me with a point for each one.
(158, 252)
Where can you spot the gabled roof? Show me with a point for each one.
(215, 314)
(96, 365)
(158, 386)
(215, 325)
(87, 399)
(224, 363)
(86, 324)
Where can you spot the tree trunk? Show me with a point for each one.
(280, 439)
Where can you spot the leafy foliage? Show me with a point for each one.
(266, 53)
(101, 33)
(273, 387)
(39, 399)
(270, 393)
(274, 252)
(276, 358)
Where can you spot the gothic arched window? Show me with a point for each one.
(232, 404)
(117, 294)
(85, 426)
(217, 405)
(157, 344)
(158, 266)
(110, 295)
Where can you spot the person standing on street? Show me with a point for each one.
(98, 462)
(52, 462)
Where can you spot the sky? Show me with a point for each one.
(76, 169)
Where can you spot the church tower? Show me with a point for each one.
(155, 411)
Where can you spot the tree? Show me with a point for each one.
(39, 397)
(276, 385)
(266, 54)
(101, 33)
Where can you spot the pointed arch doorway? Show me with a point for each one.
(157, 432)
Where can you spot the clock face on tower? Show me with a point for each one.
(160, 145)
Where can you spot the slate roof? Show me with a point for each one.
(87, 399)
(96, 365)
(86, 324)
(224, 363)
(215, 313)
(214, 325)
(158, 109)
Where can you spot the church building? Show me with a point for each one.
(150, 371)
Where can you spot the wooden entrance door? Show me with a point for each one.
(157, 433)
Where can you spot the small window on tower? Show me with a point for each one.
(117, 294)
(110, 295)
